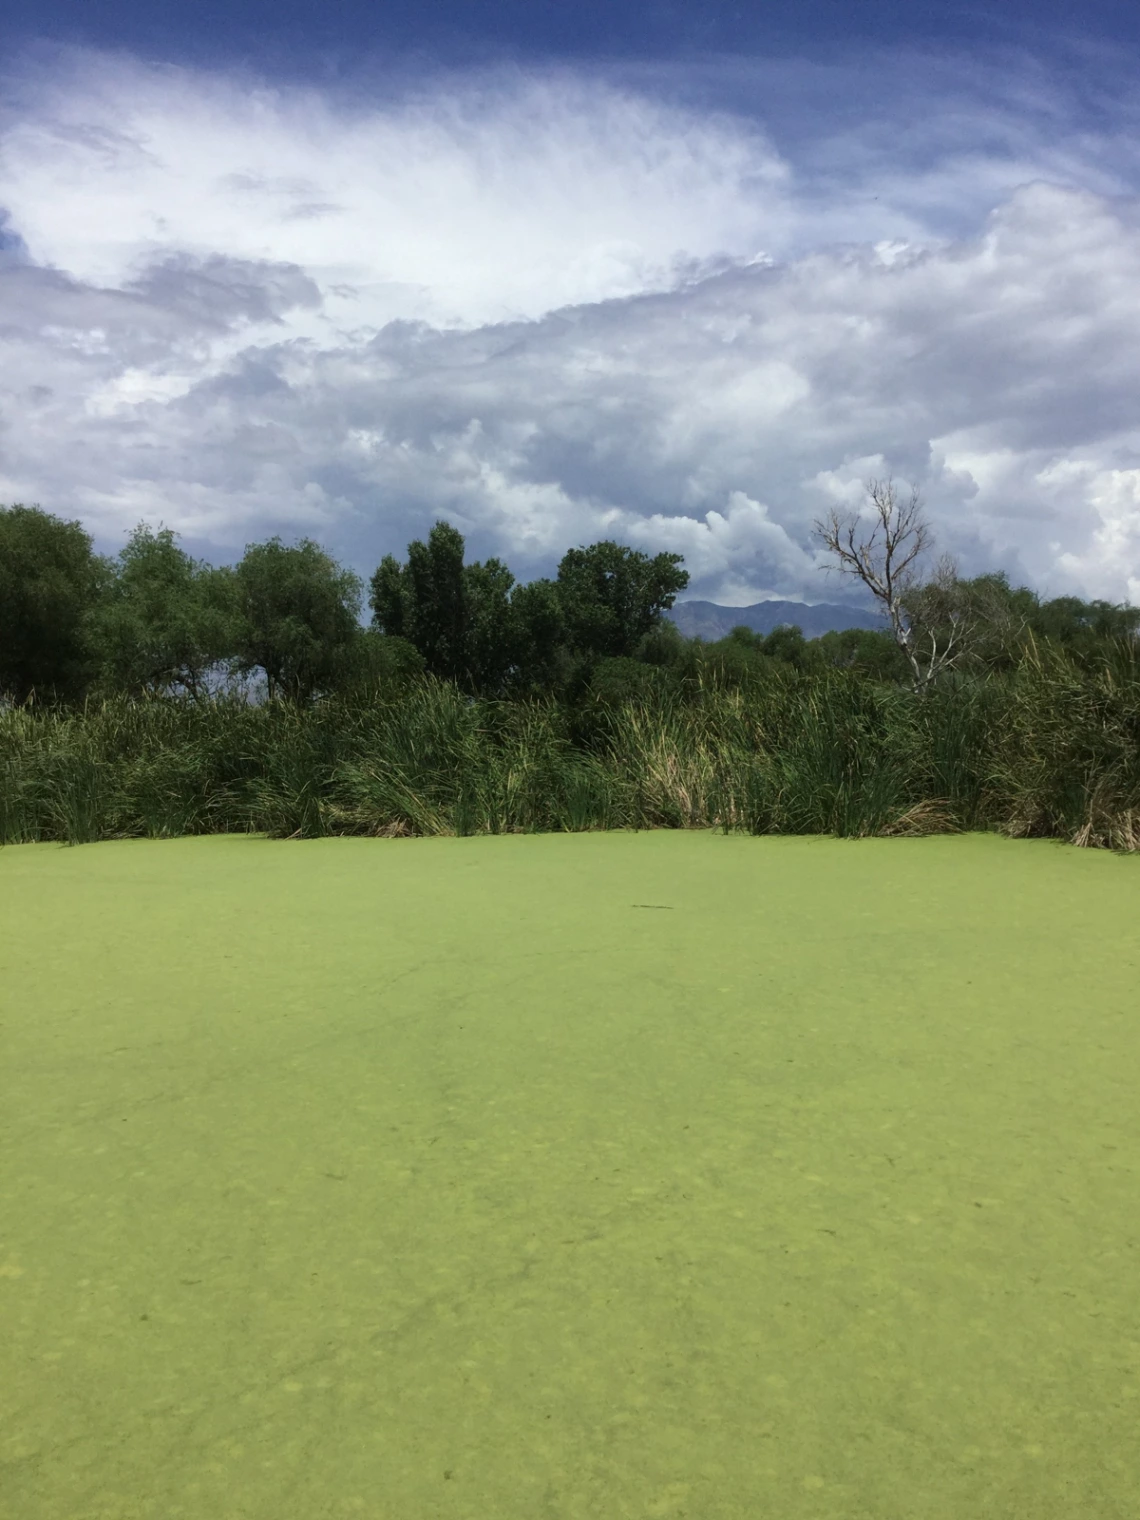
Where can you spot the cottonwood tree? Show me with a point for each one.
(474, 625)
(50, 580)
(883, 547)
(612, 596)
(459, 617)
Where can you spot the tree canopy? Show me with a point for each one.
(166, 620)
(153, 620)
(476, 626)
(298, 617)
(50, 581)
(612, 596)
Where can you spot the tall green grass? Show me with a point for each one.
(1048, 750)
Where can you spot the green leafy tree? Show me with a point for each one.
(298, 618)
(50, 582)
(736, 661)
(869, 652)
(461, 618)
(788, 645)
(1083, 629)
(538, 635)
(437, 602)
(612, 596)
(475, 626)
(425, 601)
(664, 646)
(167, 620)
(389, 599)
(491, 633)
(380, 662)
(620, 679)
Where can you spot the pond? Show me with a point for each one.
(659, 1174)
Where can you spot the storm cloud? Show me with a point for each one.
(557, 309)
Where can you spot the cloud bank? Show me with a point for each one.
(554, 308)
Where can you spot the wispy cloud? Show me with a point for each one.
(552, 307)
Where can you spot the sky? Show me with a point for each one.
(683, 275)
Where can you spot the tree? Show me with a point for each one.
(619, 679)
(167, 619)
(380, 662)
(388, 598)
(664, 646)
(50, 581)
(491, 634)
(1083, 629)
(469, 622)
(736, 661)
(988, 617)
(612, 596)
(437, 602)
(538, 638)
(475, 626)
(788, 645)
(885, 557)
(298, 618)
(426, 601)
(452, 613)
(869, 652)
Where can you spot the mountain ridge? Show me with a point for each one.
(711, 621)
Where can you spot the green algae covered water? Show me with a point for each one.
(566, 1177)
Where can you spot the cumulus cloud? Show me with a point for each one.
(553, 312)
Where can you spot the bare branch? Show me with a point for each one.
(882, 547)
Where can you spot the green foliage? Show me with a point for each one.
(664, 646)
(490, 633)
(380, 664)
(541, 659)
(998, 624)
(733, 663)
(868, 652)
(473, 625)
(983, 620)
(787, 643)
(1082, 629)
(474, 704)
(50, 582)
(459, 617)
(297, 618)
(621, 679)
(166, 620)
(437, 614)
(1069, 758)
(612, 596)
(1051, 749)
(745, 658)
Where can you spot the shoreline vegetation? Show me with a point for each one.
(1047, 752)
(156, 696)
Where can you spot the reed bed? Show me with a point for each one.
(1049, 750)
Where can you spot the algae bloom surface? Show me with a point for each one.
(569, 1176)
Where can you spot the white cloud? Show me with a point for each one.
(244, 311)
(482, 201)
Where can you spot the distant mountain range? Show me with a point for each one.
(707, 620)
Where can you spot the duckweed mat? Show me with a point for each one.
(571, 1177)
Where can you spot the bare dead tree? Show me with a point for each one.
(883, 548)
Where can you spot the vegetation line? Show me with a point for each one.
(158, 697)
